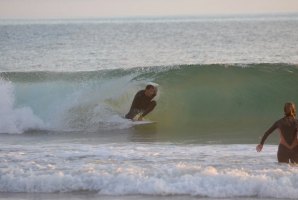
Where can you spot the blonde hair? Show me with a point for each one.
(290, 110)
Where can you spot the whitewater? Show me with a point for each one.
(66, 84)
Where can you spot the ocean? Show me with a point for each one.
(223, 80)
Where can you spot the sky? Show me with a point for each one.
(41, 9)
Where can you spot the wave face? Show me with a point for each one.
(193, 99)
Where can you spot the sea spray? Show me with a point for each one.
(15, 119)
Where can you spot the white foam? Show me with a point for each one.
(13, 119)
(147, 169)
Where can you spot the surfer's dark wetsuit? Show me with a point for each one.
(288, 147)
(141, 104)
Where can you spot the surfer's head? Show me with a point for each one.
(289, 109)
(150, 90)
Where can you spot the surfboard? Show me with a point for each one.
(143, 122)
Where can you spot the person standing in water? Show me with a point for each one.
(288, 127)
(142, 103)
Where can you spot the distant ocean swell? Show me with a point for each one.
(192, 98)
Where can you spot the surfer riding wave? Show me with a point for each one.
(142, 103)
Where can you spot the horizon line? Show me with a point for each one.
(260, 14)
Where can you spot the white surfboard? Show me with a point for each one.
(143, 122)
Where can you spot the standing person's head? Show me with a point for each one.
(150, 90)
(290, 110)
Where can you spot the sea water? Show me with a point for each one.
(66, 84)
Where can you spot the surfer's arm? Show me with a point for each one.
(268, 132)
(152, 96)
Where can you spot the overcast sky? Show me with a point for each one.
(122, 8)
